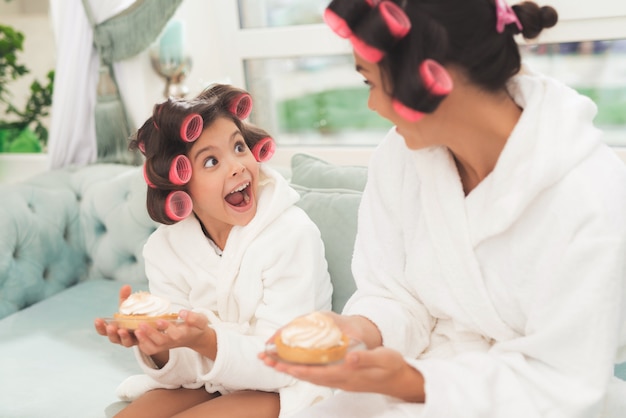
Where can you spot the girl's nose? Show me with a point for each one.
(238, 168)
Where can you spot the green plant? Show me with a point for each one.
(37, 105)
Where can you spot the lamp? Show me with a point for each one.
(169, 60)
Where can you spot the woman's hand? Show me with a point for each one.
(380, 370)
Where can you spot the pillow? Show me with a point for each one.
(311, 172)
(334, 211)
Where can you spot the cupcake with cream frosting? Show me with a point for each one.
(143, 307)
(311, 339)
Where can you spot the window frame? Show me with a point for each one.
(605, 21)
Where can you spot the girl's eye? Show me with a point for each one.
(210, 162)
(240, 147)
(367, 83)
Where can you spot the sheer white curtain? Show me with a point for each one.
(72, 139)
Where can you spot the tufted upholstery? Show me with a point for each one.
(67, 226)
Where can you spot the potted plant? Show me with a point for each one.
(23, 130)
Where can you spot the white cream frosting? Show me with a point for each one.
(315, 330)
(144, 303)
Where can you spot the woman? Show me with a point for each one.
(489, 257)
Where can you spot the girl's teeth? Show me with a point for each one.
(246, 198)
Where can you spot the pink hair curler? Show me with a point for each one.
(406, 112)
(178, 205)
(141, 146)
(396, 20)
(180, 170)
(337, 23)
(435, 78)
(145, 177)
(264, 149)
(191, 128)
(505, 15)
(241, 106)
(365, 51)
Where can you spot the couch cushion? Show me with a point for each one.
(314, 173)
(334, 211)
(52, 361)
(116, 225)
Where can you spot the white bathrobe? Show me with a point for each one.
(510, 301)
(271, 271)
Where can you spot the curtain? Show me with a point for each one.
(123, 28)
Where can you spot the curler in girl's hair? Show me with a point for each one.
(145, 177)
(241, 106)
(264, 149)
(142, 147)
(178, 205)
(436, 81)
(191, 128)
(341, 15)
(388, 23)
(180, 170)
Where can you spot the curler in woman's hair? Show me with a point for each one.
(365, 51)
(435, 78)
(264, 149)
(178, 205)
(341, 15)
(406, 112)
(397, 21)
(191, 128)
(388, 23)
(180, 170)
(145, 177)
(436, 81)
(241, 106)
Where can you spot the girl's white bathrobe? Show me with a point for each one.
(271, 271)
(511, 301)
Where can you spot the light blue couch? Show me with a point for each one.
(70, 238)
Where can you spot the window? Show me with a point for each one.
(287, 58)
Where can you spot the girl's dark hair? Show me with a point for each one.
(461, 33)
(160, 141)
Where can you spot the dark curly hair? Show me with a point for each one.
(159, 139)
(461, 33)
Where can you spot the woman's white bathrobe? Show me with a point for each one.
(511, 301)
(271, 271)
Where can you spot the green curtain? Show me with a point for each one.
(117, 38)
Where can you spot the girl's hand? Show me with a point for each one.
(381, 370)
(193, 333)
(117, 335)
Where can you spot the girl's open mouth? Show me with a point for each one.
(239, 197)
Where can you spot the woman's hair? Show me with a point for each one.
(161, 141)
(461, 33)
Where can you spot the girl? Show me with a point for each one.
(234, 255)
(490, 250)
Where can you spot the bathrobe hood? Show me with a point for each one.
(554, 134)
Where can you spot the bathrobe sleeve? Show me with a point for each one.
(379, 258)
(560, 367)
